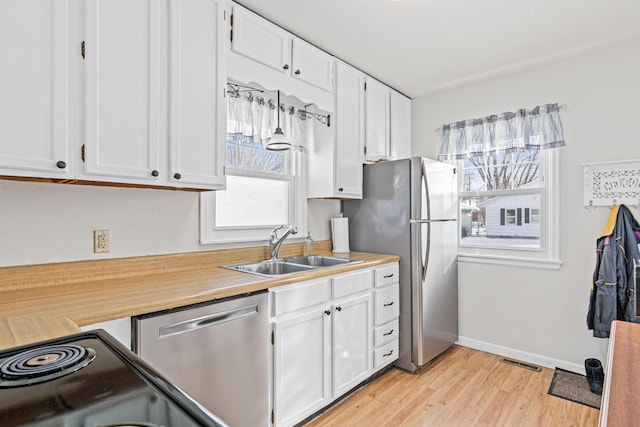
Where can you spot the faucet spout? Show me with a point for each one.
(278, 242)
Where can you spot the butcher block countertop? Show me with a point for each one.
(51, 300)
(622, 377)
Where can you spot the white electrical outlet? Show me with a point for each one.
(101, 241)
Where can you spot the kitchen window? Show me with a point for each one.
(508, 186)
(264, 188)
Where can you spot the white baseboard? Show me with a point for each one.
(523, 356)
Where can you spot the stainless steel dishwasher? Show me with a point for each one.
(217, 352)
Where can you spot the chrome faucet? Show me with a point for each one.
(275, 242)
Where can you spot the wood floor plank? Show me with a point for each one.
(463, 387)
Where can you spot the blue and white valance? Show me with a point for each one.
(538, 128)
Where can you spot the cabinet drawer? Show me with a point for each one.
(387, 304)
(300, 295)
(384, 355)
(387, 274)
(385, 333)
(351, 283)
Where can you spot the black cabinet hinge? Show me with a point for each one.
(82, 49)
(82, 152)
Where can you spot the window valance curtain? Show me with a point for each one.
(253, 119)
(538, 128)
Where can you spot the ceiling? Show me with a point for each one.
(425, 46)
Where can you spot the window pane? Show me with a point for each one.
(502, 171)
(249, 201)
(243, 153)
(501, 221)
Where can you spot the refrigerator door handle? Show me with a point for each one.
(425, 262)
(427, 200)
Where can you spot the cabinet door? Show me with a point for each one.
(260, 40)
(349, 131)
(197, 105)
(312, 65)
(302, 366)
(34, 105)
(122, 67)
(352, 348)
(377, 135)
(400, 126)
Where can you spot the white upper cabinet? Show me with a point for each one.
(388, 123)
(266, 54)
(197, 106)
(400, 126)
(122, 84)
(260, 40)
(335, 165)
(34, 100)
(264, 42)
(377, 135)
(349, 131)
(133, 88)
(312, 65)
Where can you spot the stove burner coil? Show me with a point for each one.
(43, 364)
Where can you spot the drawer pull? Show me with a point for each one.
(389, 304)
(388, 276)
(388, 354)
(387, 333)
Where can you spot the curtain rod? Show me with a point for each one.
(240, 88)
(561, 106)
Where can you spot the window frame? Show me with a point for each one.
(547, 255)
(295, 172)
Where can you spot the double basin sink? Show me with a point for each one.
(298, 264)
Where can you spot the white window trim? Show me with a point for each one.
(210, 234)
(548, 255)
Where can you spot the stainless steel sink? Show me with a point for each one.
(280, 267)
(320, 260)
(269, 268)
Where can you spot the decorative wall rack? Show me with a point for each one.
(612, 183)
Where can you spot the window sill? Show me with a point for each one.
(545, 264)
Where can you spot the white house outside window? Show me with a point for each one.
(264, 188)
(508, 185)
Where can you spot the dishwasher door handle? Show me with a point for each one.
(206, 321)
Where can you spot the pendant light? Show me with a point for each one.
(278, 142)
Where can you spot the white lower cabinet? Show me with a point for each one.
(302, 365)
(323, 342)
(351, 343)
(120, 329)
(386, 314)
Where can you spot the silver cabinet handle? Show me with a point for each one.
(206, 321)
(387, 333)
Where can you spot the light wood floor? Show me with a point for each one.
(463, 387)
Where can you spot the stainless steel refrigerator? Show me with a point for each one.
(409, 208)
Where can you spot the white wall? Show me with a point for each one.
(530, 311)
(43, 223)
